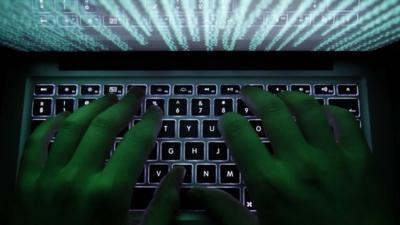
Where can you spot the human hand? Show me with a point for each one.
(317, 175)
(73, 186)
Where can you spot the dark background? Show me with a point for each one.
(384, 62)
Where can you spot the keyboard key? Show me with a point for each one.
(324, 89)
(68, 89)
(65, 105)
(207, 89)
(229, 174)
(177, 107)
(306, 89)
(217, 151)
(234, 192)
(167, 129)
(90, 89)
(210, 129)
(35, 124)
(188, 128)
(157, 172)
(242, 108)
(230, 89)
(248, 203)
(42, 107)
(348, 89)
(222, 106)
(170, 151)
(183, 89)
(155, 101)
(258, 127)
(141, 87)
(44, 89)
(84, 101)
(160, 90)
(114, 89)
(194, 151)
(141, 197)
(205, 173)
(350, 104)
(277, 88)
(200, 107)
(188, 176)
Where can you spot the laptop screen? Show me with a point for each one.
(199, 25)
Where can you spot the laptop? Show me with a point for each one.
(191, 58)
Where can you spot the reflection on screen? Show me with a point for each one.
(201, 25)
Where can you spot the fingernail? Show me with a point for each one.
(155, 108)
(137, 91)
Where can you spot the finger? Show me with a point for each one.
(34, 156)
(166, 199)
(132, 152)
(250, 154)
(285, 136)
(347, 131)
(222, 207)
(311, 119)
(72, 130)
(100, 135)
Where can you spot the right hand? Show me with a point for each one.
(317, 175)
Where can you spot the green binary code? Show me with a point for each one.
(199, 25)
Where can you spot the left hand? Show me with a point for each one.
(72, 186)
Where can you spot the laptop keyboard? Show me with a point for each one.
(189, 135)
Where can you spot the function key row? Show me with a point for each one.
(188, 89)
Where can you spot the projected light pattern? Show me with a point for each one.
(199, 25)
